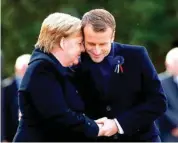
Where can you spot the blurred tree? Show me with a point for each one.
(151, 23)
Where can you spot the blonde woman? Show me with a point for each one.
(51, 108)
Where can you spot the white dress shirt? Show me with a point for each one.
(119, 127)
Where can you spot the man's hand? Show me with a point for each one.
(109, 127)
(100, 125)
(175, 132)
(100, 133)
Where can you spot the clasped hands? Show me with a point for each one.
(107, 127)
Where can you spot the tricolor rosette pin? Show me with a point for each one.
(119, 67)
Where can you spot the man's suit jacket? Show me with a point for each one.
(169, 120)
(134, 97)
(9, 108)
(51, 108)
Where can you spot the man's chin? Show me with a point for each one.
(97, 60)
(76, 63)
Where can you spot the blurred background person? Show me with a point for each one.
(169, 122)
(10, 110)
(2, 126)
(2, 62)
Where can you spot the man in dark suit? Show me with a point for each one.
(168, 123)
(118, 81)
(10, 109)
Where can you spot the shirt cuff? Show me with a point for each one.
(119, 127)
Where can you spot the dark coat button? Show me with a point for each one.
(108, 108)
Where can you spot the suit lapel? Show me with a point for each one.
(115, 78)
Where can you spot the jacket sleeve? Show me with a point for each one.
(169, 120)
(154, 104)
(170, 114)
(48, 98)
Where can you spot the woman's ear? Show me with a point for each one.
(62, 43)
(113, 36)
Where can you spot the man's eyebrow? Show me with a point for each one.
(90, 42)
(104, 43)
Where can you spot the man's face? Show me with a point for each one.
(172, 68)
(175, 67)
(97, 44)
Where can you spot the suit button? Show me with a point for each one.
(138, 130)
(108, 108)
(115, 137)
(89, 123)
(76, 91)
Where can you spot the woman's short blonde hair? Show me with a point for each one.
(54, 27)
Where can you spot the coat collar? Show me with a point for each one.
(38, 54)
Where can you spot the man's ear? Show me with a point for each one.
(62, 43)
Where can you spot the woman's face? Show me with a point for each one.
(73, 46)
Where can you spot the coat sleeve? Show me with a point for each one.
(169, 120)
(48, 98)
(155, 101)
(172, 117)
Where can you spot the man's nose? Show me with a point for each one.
(97, 50)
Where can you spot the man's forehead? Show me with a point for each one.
(97, 38)
(89, 27)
